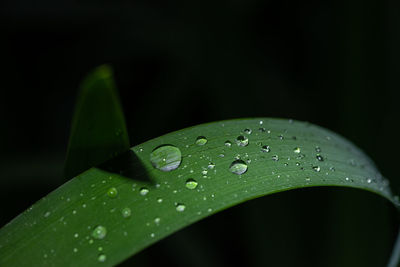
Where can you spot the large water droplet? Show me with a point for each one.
(99, 232)
(126, 212)
(242, 140)
(166, 158)
(102, 257)
(144, 191)
(112, 192)
(191, 183)
(201, 141)
(238, 167)
(180, 207)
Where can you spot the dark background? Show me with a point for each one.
(178, 64)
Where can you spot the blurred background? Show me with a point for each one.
(178, 64)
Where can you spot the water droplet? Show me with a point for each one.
(228, 143)
(157, 220)
(261, 122)
(75, 250)
(247, 131)
(180, 207)
(319, 157)
(369, 180)
(242, 140)
(144, 191)
(204, 172)
(262, 130)
(316, 168)
(166, 158)
(211, 165)
(112, 192)
(265, 149)
(280, 137)
(47, 214)
(201, 141)
(275, 157)
(317, 149)
(297, 150)
(238, 167)
(76, 235)
(99, 232)
(191, 184)
(159, 200)
(102, 257)
(126, 212)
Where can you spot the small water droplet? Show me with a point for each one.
(369, 180)
(157, 220)
(112, 192)
(211, 165)
(247, 131)
(99, 232)
(159, 200)
(265, 148)
(204, 172)
(75, 250)
(228, 143)
(280, 137)
(91, 241)
(76, 235)
(261, 122)
(242, 140)
(144, 191)
(102, 257)
(238, 167)
(47, 214)
(317, 149)
(275, 157)
(201, 141)
(180, 207)
(166, 158)
(319, 157)
(262, 129)
(297, 150)
(316, 168)
(191, 183)
(126, 212)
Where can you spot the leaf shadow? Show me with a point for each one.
(127, 164)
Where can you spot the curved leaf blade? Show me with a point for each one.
(98, 130)
(300, 155)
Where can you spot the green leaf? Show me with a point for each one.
(111, 212)
(98, 130)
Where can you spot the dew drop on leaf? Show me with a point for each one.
(99, 232)
(297, 150)
(201, 141)
(275, 157)
(238, 167)
(319, 157)
(126, 212)
(265, 149)
(112, 192)
(247, 131)
(242, 140)
(316, 168)
(191, 183)
(144, 191)
(166, 158)
(228, 143)
(102, 257)
(180, 207)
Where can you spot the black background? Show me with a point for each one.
(178, 64)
